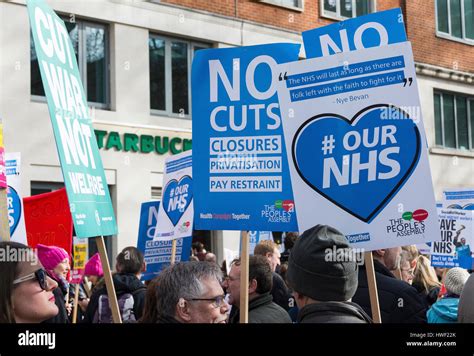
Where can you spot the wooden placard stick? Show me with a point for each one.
(244, 279)
(372, 284)
(108, 280)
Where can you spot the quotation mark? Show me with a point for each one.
(284, 77)
(410, 80)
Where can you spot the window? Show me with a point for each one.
(344, 9)
(170, 73)
(455, 19)
(292, 4)
(156, 193)
(454, 121)
(90, 42)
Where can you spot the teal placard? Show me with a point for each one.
(83, 173)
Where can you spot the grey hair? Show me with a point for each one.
(182, 280)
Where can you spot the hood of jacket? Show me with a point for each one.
(125, 283)
(446, 308)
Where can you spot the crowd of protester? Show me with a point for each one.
(301, 284)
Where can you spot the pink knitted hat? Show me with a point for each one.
(94, 266)
(51, 256)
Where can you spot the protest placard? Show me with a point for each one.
(48, 220)
(459, 198)
(83, 174)
(157, 254)
(457, 237)
(355, 142)
(255, 237)
(373, 30)
(16, 216)
(175, 214)
(240, 167)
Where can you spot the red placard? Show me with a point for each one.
(48, 220)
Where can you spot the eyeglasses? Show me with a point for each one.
(217, 302)
(231, 279)
(40, 275)
(409, 270)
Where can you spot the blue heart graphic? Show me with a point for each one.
(14, 209)
(176, 204)
(330, 170)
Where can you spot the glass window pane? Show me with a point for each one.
(461, 116)
(449, 128)
(330, 5)
(96, 64)
(442, 8)
(287, 2)
(437, 115)
(197, 48)
(36, 83)
(179, 75)
(469, 18)
(471, 104)
(362, 7)
(73, 29)
(157, 74)
(345, 8)
(456, 24)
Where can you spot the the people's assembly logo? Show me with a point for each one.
(409, 224)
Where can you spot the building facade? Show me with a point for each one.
(135, 58)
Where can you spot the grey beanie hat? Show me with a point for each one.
(455, 279)
(313, 272)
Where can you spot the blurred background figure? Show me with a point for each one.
(445, 310)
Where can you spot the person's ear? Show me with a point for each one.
(182, 310)
(379, 253)
(143, 270)
(253, 286)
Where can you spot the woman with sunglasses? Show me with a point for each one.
(56, 262)
(26, 291)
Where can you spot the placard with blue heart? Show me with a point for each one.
(177, 197)
(176, 211)
(390, 147)
(356, 146)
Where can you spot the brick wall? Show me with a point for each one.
(427, 48)
(268, 14)
(419, 17)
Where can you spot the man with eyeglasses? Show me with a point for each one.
(262, 309)
(190, 292)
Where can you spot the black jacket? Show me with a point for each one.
(123, 283)
(399, 301)
(61, 317)
(280, 293)
(333, 312)
(262, 310)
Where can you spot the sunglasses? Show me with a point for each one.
(40, 275)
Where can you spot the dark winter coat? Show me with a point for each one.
(123, 283)
(280, 292)
(399, 301)
(333, 312)
(262, 310)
